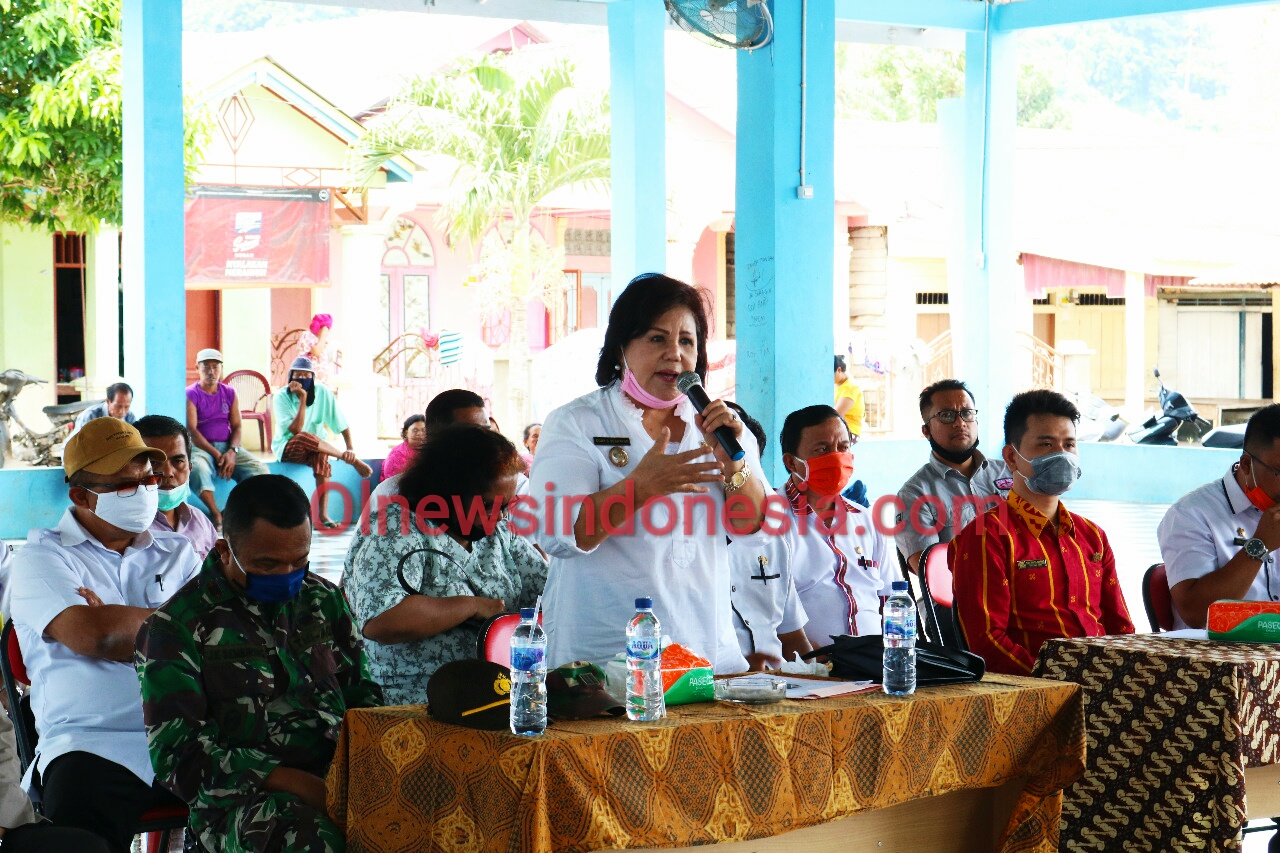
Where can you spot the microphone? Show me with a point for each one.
(689, 384)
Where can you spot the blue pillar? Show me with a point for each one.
(983, 327)
(784, 260)
(155, 324)
(638, 140)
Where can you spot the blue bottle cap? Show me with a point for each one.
(644, 604)
(900, 586)
(527, 613)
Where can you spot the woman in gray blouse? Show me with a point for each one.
(439, 559)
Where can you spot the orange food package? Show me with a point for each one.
(686, 677)
(676, 661)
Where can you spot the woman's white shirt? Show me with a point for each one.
(676, 554)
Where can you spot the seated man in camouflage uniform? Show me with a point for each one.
(246, 673)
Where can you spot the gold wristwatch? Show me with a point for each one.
(738, 480)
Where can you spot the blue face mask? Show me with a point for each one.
(271, 589)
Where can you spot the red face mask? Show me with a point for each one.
(1256, 496)
(829, 472)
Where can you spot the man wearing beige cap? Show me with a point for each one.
(213, 420)
(79, 593)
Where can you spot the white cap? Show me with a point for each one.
(208, 355)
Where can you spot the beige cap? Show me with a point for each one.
(208, 355)
(104, 446)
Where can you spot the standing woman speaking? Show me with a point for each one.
(637, 440)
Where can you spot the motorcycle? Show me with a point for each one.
(36, 447)
(1174, 412)
(1225, 437)
(1099, 420)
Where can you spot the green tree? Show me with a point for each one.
(517, 129)
(1155, 66)
(60, 124)
(895, 83)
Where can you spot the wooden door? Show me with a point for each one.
(204, 326)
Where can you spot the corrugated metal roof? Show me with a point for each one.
(1239, 278)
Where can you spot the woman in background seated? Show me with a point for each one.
(414, 434)
(419, 597)
(531, 435)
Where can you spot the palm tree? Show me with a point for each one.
(518, 129)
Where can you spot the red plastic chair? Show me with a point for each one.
(937, 593)
(155, 824)
(1156, 598)
(494, 642)
(253, 390)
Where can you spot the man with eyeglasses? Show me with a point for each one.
(1220, 540)
(79, 592)
(957, 479)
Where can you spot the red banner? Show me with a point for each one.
(257, 236)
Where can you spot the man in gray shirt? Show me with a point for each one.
(956, 483)
(118, 404)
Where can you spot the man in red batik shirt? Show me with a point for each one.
(1032, 571)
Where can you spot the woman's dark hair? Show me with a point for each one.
(645, 299)
(753, 426)
(408, 422)
(463, 460)
(529, 430)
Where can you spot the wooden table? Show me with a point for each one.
(1183, 740)
(957, 768)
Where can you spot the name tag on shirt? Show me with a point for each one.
(1033, 564)
(611, 441)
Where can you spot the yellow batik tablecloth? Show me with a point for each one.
(711, 772)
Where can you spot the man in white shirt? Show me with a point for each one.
(1220, 540)
(843, 565)
(767, 614)
(79, 593)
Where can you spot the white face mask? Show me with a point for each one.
(133, 514)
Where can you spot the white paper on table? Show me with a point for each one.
(812, 688)
(1183, 634)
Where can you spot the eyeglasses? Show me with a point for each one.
(1274, 471)
(126, 489)
(948, 416)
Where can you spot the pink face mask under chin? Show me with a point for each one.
(631, 387)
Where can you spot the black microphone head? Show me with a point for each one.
(687, 380)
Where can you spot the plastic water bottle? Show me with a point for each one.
(900, 642)
(645, 701)
(528, 675)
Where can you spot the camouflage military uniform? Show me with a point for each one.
(233, 688)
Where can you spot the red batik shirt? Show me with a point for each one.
(1018, 582)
